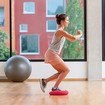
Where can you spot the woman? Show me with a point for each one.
(52, 54)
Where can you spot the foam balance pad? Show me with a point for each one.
(65, 92)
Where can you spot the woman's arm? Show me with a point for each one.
(68, 36)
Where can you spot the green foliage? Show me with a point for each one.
(4, 50)
(74, 50)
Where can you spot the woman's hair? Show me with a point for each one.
(60, 17)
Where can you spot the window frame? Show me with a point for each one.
(41, 60)
(54, 15)
(103, 31)
(23, 30)
(24, 8)
(47, 27)
(29, 53)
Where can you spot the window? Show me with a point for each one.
(51, 25)
(23, 27)
(55, 7)
(29, 8)
(29, 44)
(27, 28)
(1, 16)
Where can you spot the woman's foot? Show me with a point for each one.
(56, 89)
(43, 84)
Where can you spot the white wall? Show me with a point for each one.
(103, 69)
(78, 70)
(2, 74)
(40, 69)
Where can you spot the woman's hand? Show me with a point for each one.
(79, 32)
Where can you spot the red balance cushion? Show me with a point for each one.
(65, 92)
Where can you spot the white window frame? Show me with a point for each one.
(55, 15)
(21, 53)
(47, 27)
(23, 30)
(28, 12)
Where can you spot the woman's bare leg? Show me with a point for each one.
(62, 69)
(65, 71)
(55, 76)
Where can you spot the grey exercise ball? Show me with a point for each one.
(18, 68)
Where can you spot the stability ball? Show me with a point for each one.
(17, 68)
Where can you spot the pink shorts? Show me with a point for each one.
(52, 57)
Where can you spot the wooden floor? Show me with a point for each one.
(29, 93)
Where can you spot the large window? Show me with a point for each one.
(75, 50)
(55, 7)
(1, 16)
(29, 8)
(51, 25)
(33, 25)
(29, 44)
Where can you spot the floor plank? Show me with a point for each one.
(29, 93)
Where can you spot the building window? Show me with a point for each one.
(29, 8)
(1, 16)
(51, 25)
(23, 28)
(29, 44)
(55, 7)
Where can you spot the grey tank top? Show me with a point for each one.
(57, 44)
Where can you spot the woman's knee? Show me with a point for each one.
(68, 70)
